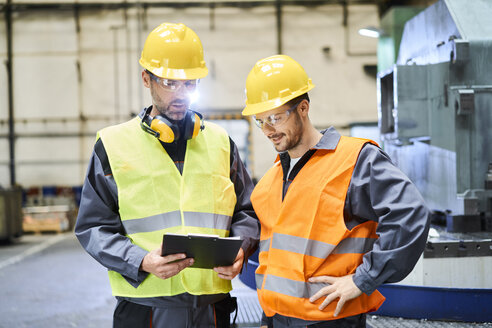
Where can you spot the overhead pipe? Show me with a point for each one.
(129, 61)
(176, 4)
(116, 65)
(346, 33)
(45, 120)
(140, 21)
(82, 119)
(36, 135)
(51, 162)
(211, 17)
(278, 11)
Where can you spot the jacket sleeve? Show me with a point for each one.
(244, 220)
(99, 228)
(380, 192)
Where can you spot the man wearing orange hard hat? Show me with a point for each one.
(338, 219)
(166, 171)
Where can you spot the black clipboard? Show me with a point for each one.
(209, 251)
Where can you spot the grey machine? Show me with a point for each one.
(435, 121)
(435, 111)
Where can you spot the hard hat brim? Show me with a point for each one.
(176, 74)
(253, 109)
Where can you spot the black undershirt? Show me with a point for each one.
(285, 162)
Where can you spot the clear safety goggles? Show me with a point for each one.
(275, 120)
(175, 85)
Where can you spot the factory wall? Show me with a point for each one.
(75, 72)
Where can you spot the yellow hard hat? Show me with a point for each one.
(174, 51)
(272, 82)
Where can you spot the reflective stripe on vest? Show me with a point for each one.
(264, 245)
(154, 198)
(173, 219)
(317, 248)
(308, 247)
(305, 235)
(292, 287)
(288, 287)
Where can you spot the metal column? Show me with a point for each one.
(278, 9)
(11, 133)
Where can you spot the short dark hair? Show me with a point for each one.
(298, 99)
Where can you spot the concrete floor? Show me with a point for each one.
(49, 281)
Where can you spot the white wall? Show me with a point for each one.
(59, 73)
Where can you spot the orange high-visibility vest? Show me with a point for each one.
(305, 235)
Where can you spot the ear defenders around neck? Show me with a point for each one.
(167, 131)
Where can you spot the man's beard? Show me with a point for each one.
(165, 110)
(296, 137)
(291, 144)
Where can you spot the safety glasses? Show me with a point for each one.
(275, 120)
(175, 85)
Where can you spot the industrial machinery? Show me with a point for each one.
(435, 120)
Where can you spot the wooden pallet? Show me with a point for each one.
(39, 226)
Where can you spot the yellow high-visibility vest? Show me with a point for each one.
(154, 198)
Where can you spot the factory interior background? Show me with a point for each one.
(414, 75)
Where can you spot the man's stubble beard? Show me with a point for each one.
(296, 137)
(163, 109)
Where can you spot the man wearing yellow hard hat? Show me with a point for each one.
(166, 171)
(338, 219)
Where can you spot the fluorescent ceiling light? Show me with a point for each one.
(371, 31)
